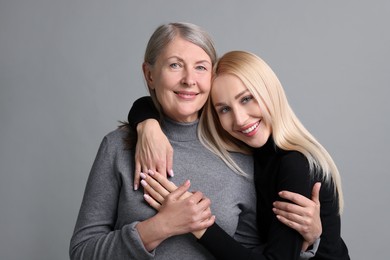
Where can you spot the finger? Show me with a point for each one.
(161, 169)
(181, 190)
(292, 217)
(149, 190)
(315, 195)
(152, 202)
(207, 222)
(155, 186)
(169, 160)
(290, 224)
(168, 185)
(296, 198)
(137, 176)
(290, 208)
(195, 198)
(204, 204)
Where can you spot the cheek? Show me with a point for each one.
(224, 123)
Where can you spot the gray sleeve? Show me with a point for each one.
(312, 252)
(94, 236)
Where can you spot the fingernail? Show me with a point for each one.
(146, 196)
(170, 172)
(144, 183)
(143, 176)
(151, 172)
(135, 187)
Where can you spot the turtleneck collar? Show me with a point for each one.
(182, 132)
(269, 149)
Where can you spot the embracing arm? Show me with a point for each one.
(163, 194)
(153, 150)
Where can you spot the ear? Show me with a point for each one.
(148, 74)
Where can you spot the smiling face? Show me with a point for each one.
(181, 79)
(238, 111)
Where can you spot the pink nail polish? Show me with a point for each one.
(143, 176)
(144, 183)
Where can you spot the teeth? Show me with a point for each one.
(250, 129)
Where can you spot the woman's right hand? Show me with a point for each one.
(183, 211)
(153, 151)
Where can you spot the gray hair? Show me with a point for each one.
(165, 33)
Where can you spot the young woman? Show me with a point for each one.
(248, 108)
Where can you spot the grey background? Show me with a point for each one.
(69, 70)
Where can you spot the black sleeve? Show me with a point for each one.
(282, 241)
(142, 109)
(223, 246)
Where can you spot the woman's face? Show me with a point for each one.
(181, 78)
(238, 111)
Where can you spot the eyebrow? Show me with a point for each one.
(181, 60)
(235, 97)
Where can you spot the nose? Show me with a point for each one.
(188, 78)
(240, 116)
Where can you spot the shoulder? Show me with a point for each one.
(294, 172)
(117, 139)
(293, 160)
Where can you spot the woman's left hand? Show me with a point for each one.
(303, 216)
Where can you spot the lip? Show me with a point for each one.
(247, 128)
(187, 95)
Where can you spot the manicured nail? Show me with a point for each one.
(135, 186)
(170, 172)
(143, 176)
(144, 183)
(151, 172)
(146, 197)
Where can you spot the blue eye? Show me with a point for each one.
(175, 65)
(246, 99)
(201, 68)
(224, 110)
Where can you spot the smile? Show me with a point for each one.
(186, 95)
(250, 129)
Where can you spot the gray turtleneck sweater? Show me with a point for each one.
(110, 209)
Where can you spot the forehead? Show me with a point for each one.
(227, 84)
(184, 49)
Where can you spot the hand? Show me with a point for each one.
(303, 216)
(184, 212)
(153, 151)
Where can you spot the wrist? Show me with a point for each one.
(147, 123)
(152, 232)
(198, 234)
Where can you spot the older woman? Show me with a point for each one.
(114, 222)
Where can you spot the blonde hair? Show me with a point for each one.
(287, 131)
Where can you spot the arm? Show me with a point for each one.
(96, 234)
(216, 240)
(291, 172)
(303, 216)
(153, 150)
